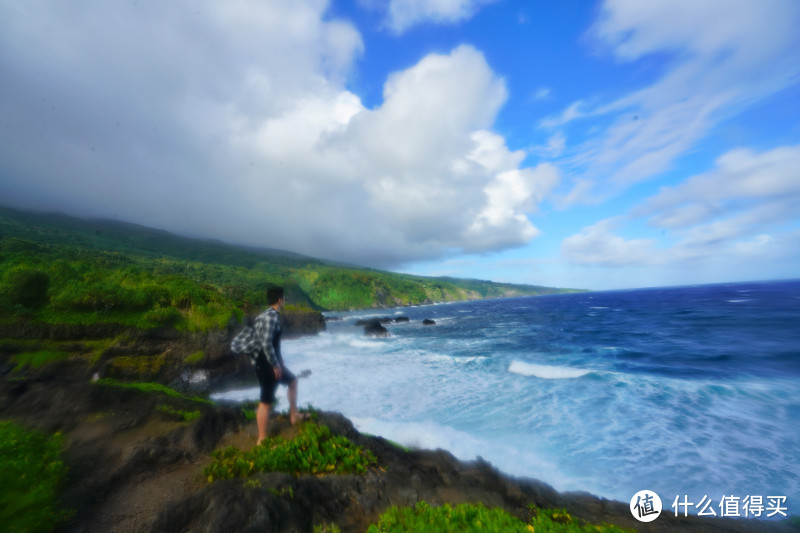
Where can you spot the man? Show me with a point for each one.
(270, 368)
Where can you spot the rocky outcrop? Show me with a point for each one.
(428, 322)
(188, 361)
(374, 328)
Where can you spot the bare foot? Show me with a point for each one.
(297, 417)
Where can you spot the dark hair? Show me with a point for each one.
(274, 294)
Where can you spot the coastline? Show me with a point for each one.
(133, 466)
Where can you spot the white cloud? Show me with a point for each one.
(598, 245)
(764, 186)
(233, 121)
(741, 212)
(714, 71)
(403, 14)
(542, 93)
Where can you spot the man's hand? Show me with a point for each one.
(278, 372)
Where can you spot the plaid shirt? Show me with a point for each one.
(268, 336)
(263, 337)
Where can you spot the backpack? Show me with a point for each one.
(245, 343)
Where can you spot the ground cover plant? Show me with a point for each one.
(560, 521)
(465, 518)
(150, 387)
(31, 473)
(315, 450)
(186, 416)
(476, 518)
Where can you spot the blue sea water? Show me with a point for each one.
(685, 391)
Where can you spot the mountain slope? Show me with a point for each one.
(58, 268)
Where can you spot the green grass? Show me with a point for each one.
(465, 518)
(37, 358)
(187, 416)
(196, 358)
(560, 521)
(150, 388)
(314, 451)
(31, 473)
(477, 518)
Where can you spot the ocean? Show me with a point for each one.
(690, 392)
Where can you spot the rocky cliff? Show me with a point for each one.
(136, 464)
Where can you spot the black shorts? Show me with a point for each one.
(266, 378)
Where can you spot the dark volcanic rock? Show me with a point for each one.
(374, 328)
(428, 322)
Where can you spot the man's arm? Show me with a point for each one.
(265, 333)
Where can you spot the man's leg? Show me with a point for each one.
(262, 419)
(292, 394)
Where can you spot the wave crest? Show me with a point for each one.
(546, 371)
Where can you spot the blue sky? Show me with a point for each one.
(597, 145)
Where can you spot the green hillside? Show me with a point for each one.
(59, 269)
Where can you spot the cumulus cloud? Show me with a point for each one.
(232, 120)
(403, 14)
(715, 70)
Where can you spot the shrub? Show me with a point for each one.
(160, 316)
(314, 451)
(31, 472)
(27, 288)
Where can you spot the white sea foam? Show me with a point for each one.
(435, 357)
(237, 395)
(546, 371)
(363, 343)
(424, 434)
(737, 301)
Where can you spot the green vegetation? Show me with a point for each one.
(313, 451)
(464, 517)
(560, 521)
(31, 472)
(476, 517)
(187, 416)
(62, 270)
(195, 358)
(37, 358)
(330, 528)
(150, 388)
